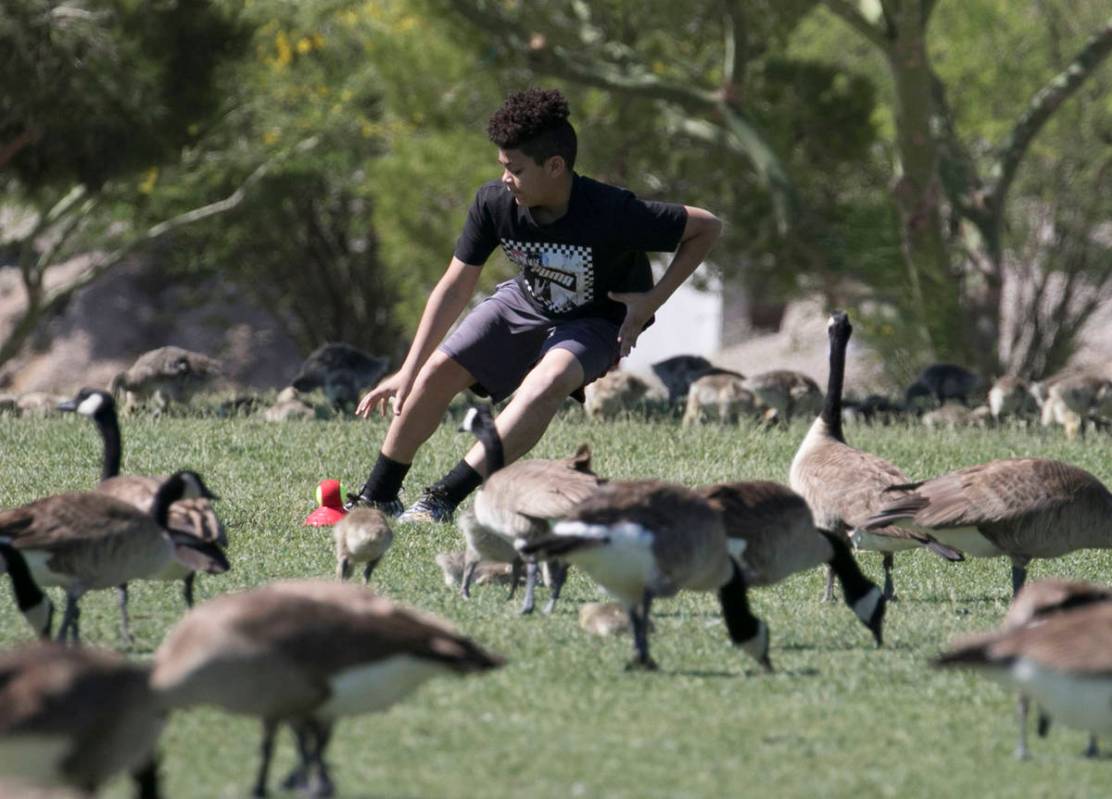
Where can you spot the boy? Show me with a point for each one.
(583, 295)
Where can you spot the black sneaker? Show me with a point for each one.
(432, 506)
(391, 507)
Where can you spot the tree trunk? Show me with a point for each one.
(918, 192)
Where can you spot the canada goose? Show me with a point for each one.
(515, 501)
(614, 393)
(1033, 604)
(645, 540)
(1022, 508)
(943, 381)
(76, 717)
(305, 654)
(362, 536)
(770, 532)
(844, 486)
(788, 393)
(164, 375)
(722, 394)
(341, 371)
(194, 527)
(1064, 663)
(88, 541)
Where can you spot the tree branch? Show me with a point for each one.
(850, 12)
(1041, 107)
(52, 300)
(636, 80)
(736, 48)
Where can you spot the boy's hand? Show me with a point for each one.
(639, 311)
(397, 385)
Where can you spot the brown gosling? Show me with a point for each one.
(198, 535)
(76, 717)
(90, 541)
(644, 540)
(605, 619)
(452, 564)
(845, 486)
(1019, 508)
(362, 536)
(164, 375)
(305, 654)
(1033, 604)
(1063, 663)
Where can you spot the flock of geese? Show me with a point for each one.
(303, 654)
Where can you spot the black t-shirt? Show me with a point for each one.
(568, 266)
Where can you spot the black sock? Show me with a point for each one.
(459, 482)
(385, 480)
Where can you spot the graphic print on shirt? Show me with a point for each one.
(558, 276)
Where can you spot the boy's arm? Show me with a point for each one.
(446, 303)
(699, 235)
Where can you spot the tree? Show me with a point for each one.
(953, 203)
(93, 92)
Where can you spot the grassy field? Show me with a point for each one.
(837, 718)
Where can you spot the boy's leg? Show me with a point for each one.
(523, 421)
(520, 425)
(439, 380)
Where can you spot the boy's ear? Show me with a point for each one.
(556, 165)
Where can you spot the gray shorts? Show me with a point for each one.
(504, 337)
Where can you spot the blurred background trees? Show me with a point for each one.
(321, 155)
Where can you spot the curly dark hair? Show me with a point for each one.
(535, 121)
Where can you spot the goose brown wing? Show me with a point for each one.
(319, 628)
(55, 520)
(516, 499)
(1003, 491)
(48, 689)
(194, 516)
(1076, 642)
(849, 482)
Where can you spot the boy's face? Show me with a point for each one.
(530, 183)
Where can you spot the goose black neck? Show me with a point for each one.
(832, 407)
(109, 428)
(26, 590)
(845, 567)
(488, 436)
(168, 493)
(741, 624)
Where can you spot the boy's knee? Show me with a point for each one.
(552, 381)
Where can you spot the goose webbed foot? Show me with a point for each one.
(889, 589)
(126, 638)
(559, 575)
(828, 593)
(529, 602)
(642, 664)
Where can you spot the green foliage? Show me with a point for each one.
(99, 89)
(563, 718)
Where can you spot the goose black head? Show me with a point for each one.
(91, 402)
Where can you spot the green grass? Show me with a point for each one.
(838, 718)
